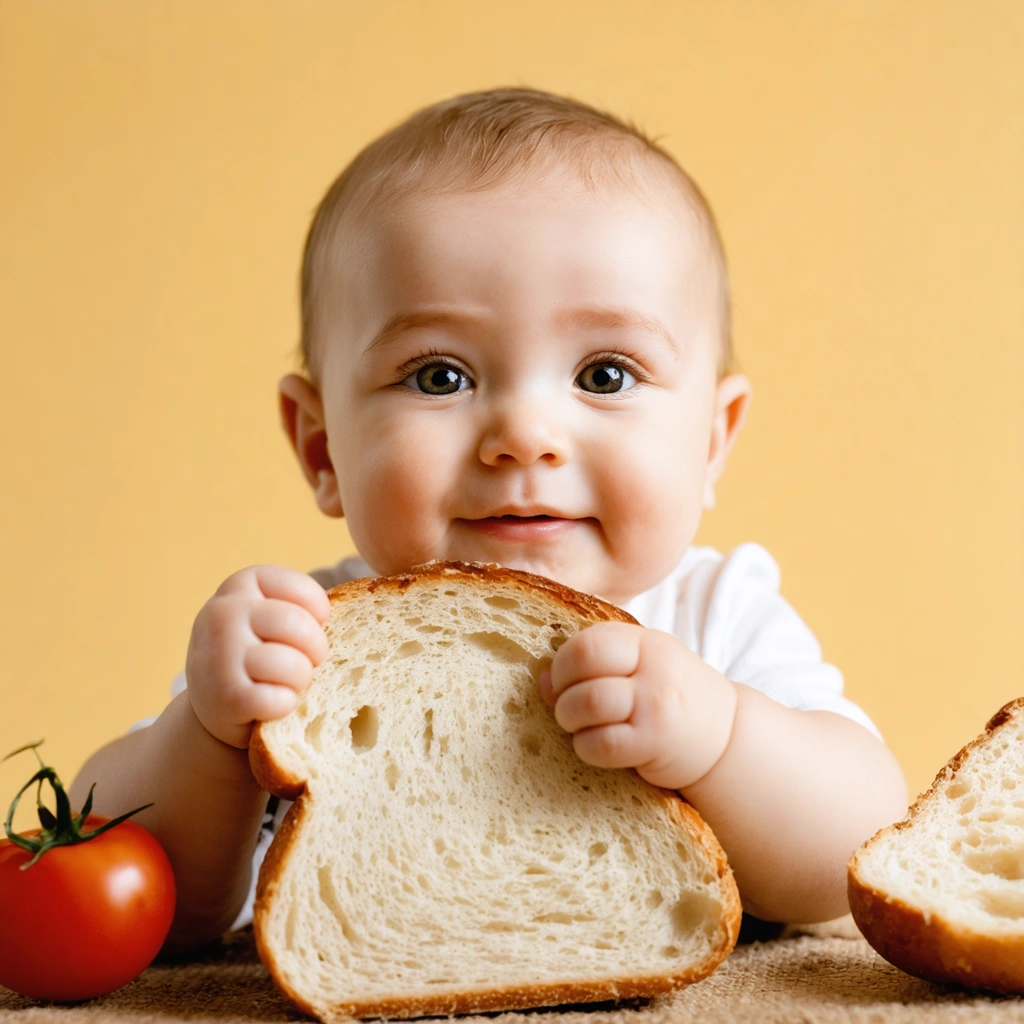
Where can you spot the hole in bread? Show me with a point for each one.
(597, 850)
(428, 730)
(329, 897)
(512, 708)
(500, 647)
(694, 910)
(391, 776)
(556, 641)
(654, 899)
(501, 602)
(364, 726)
(410, 649)
(314, 733)
(670, 951)
(555, 918)
(430, 629)
(414, 621)
(531, 744)
(956, 790)
(1006, 862)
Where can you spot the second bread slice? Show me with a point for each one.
(448, 851)
(940, 894)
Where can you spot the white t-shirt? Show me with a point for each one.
(725, 608)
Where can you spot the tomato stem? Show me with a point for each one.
(61, 829)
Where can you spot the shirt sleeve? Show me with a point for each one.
(752, 635)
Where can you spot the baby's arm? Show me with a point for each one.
(789, 794)
(252, 651)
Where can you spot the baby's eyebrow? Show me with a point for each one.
(584, 317)
(611, 317)
(401, 322)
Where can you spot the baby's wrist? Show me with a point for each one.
(712, 741)
(700, 735)
(226, 761)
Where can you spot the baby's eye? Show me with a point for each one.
(604, 378)
(437, 379)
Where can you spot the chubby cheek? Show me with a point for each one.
(651, 484)
(394, 490)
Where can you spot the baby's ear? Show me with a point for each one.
(732, 399)
(302, 415)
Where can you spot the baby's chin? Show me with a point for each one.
(578, 561)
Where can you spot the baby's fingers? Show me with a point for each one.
(596, 702)
(285, 623)
(612, 746)
(269, 702)
(278, 663)
(278, 582)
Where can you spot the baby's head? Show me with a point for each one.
(514, 305)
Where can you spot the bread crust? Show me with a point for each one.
(273, 778)
(930, 946)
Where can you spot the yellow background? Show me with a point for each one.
(161, 161)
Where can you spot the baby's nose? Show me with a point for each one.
(525, 432)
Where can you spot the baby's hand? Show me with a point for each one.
(639, 698)
(253, 648)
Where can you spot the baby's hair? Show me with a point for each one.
(478, 141)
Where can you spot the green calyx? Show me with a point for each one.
(62, 829)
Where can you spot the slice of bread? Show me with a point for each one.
(447, 851)
(940, 894)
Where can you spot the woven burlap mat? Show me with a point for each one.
(814, 974)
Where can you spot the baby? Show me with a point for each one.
(516, 343)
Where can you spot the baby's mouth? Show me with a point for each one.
(540, 529)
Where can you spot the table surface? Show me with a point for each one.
(814, 974)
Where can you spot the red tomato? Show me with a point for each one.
(84, 919)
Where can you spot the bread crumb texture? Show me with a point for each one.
(449, 851)
(941, 893)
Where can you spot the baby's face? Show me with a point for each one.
(528, 378)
